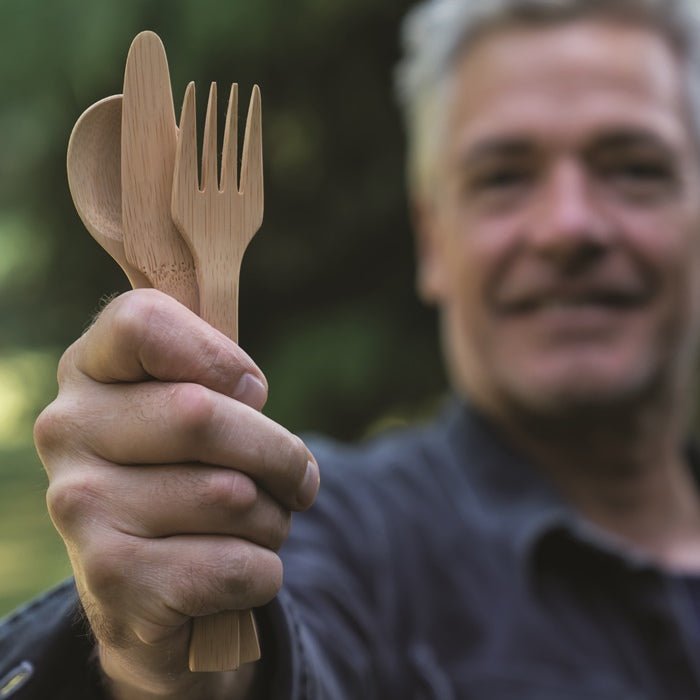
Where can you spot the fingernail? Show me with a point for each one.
(309, 485)
(251, 391)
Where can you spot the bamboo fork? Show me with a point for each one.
(218, 218)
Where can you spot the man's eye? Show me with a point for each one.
(641, 170)
(500, 179)
(639, 177)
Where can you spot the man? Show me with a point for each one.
(542, 538)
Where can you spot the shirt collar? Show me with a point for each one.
(519, 503)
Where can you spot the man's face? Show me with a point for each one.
(561, 242)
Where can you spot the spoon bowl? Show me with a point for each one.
(94, 179)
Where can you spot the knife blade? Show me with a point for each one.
(152, 243)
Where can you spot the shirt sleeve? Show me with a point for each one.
(46, 650)
(333, 630)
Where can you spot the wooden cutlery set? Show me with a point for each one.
(134, 178)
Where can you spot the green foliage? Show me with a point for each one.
(32, 557)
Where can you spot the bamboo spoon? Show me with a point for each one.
(94, 179)
(218, 218)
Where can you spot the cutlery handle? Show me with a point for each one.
(217, 224)
(224, 641)
(218, 296)
(248, 637)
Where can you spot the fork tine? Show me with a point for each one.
(252, 163)
(229, 158)
(185, 173)
(209, 157)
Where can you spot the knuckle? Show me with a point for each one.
(243, 571)
(194, 407)
(258, 575)
(270, 582)
(241, 560)
(284, 459)
(216, 352)
(130, 317)
(47, 427)
(287, 452)
(71, 499)
(295, 459)
(106, 565)
(228, 489)
(55, 430)
(244, 491)
(281, 529)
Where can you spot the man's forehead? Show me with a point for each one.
(517, 49)
(591, 75)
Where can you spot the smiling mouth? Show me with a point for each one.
(603, 300)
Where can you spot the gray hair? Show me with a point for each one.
(436, 32)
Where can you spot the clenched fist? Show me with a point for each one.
(171, 490)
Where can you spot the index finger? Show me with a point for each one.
(145, 334)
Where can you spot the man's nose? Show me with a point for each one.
(569, 225)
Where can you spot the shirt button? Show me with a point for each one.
(15, 679)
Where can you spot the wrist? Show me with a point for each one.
(124, 680)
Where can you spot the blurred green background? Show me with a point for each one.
(327, 303)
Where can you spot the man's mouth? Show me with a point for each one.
(613, 300)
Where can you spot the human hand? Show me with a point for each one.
(172, 492)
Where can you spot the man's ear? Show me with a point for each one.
(430, 271)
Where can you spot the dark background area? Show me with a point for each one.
(328, 309)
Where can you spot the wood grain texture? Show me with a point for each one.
(224, 641)
(218, 219)
(215, 642)
(149, 135)
(93, 164)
